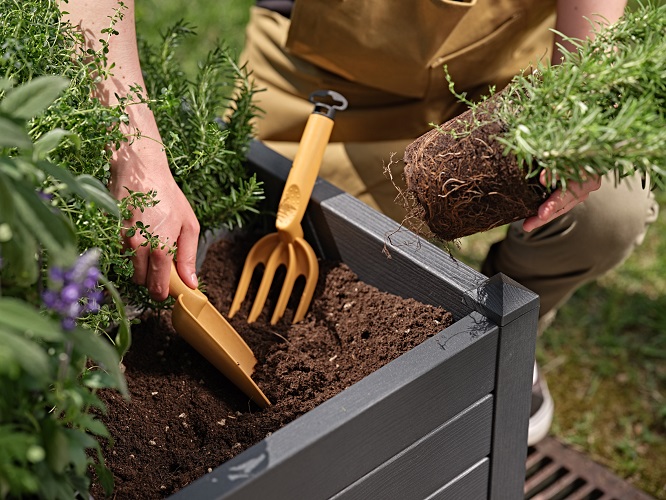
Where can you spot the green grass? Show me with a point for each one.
(605, 355)
(605, 361)
(222, 20)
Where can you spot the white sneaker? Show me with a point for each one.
(543, 408)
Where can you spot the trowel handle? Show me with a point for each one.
(177, 288)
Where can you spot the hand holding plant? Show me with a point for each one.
(600, 113)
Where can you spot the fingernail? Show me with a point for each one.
(194, 279)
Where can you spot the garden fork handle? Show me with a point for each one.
(305, 168)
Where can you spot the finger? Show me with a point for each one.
(159, 269)
(187, 255)
(532, 223)
(139, 260)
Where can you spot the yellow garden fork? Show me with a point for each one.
(287, 247)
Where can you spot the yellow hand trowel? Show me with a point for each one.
(204, 328)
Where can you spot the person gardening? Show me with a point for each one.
(387, 59)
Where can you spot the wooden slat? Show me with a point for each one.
(431, 462)
(470, 485)
(515, 365)
(353, 433)
(416, 268)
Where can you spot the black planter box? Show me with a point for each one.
(447, 420)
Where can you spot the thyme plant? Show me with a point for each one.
(206, 159)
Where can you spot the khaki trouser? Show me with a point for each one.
(386, 113)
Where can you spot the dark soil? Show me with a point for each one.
(184, 418)
(461, 181)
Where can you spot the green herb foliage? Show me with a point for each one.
(50, 368)
(206, 156)
(56, 215)
(602, 110)
(203, 154)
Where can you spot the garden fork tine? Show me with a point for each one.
(287, 247)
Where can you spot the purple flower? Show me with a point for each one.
(75, 290)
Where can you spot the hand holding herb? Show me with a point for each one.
(139, 165)
(574, 19)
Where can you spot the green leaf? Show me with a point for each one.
(79, 442)
(13, 135)
(30, 99)
(28, 355)
(56, 445)
(86, 186)
(51, 229)
(21, 252)
(6, 205)
(97, 193)
(105, 477)
(22, 317)
(96, 348)
(123, 338)
(49, 141)
(93, 425)
(5, 84)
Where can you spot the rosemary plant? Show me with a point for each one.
(601, 111)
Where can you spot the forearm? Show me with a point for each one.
(139, 158)
(92, 16)
(578, 18)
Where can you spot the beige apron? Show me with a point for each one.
(387, 58)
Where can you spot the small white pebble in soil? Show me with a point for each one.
(154, 393)
(152, 442)
(131, 456)
(163, 487)
(182, 415)
(330, 360)
(222, 422)
(209, 469)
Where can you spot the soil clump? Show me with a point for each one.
(460, 181)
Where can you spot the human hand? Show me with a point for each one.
(141, 167)
(560, 202)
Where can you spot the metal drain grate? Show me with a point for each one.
(555, 472)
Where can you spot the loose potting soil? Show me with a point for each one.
(184, 418)
(461, 181)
